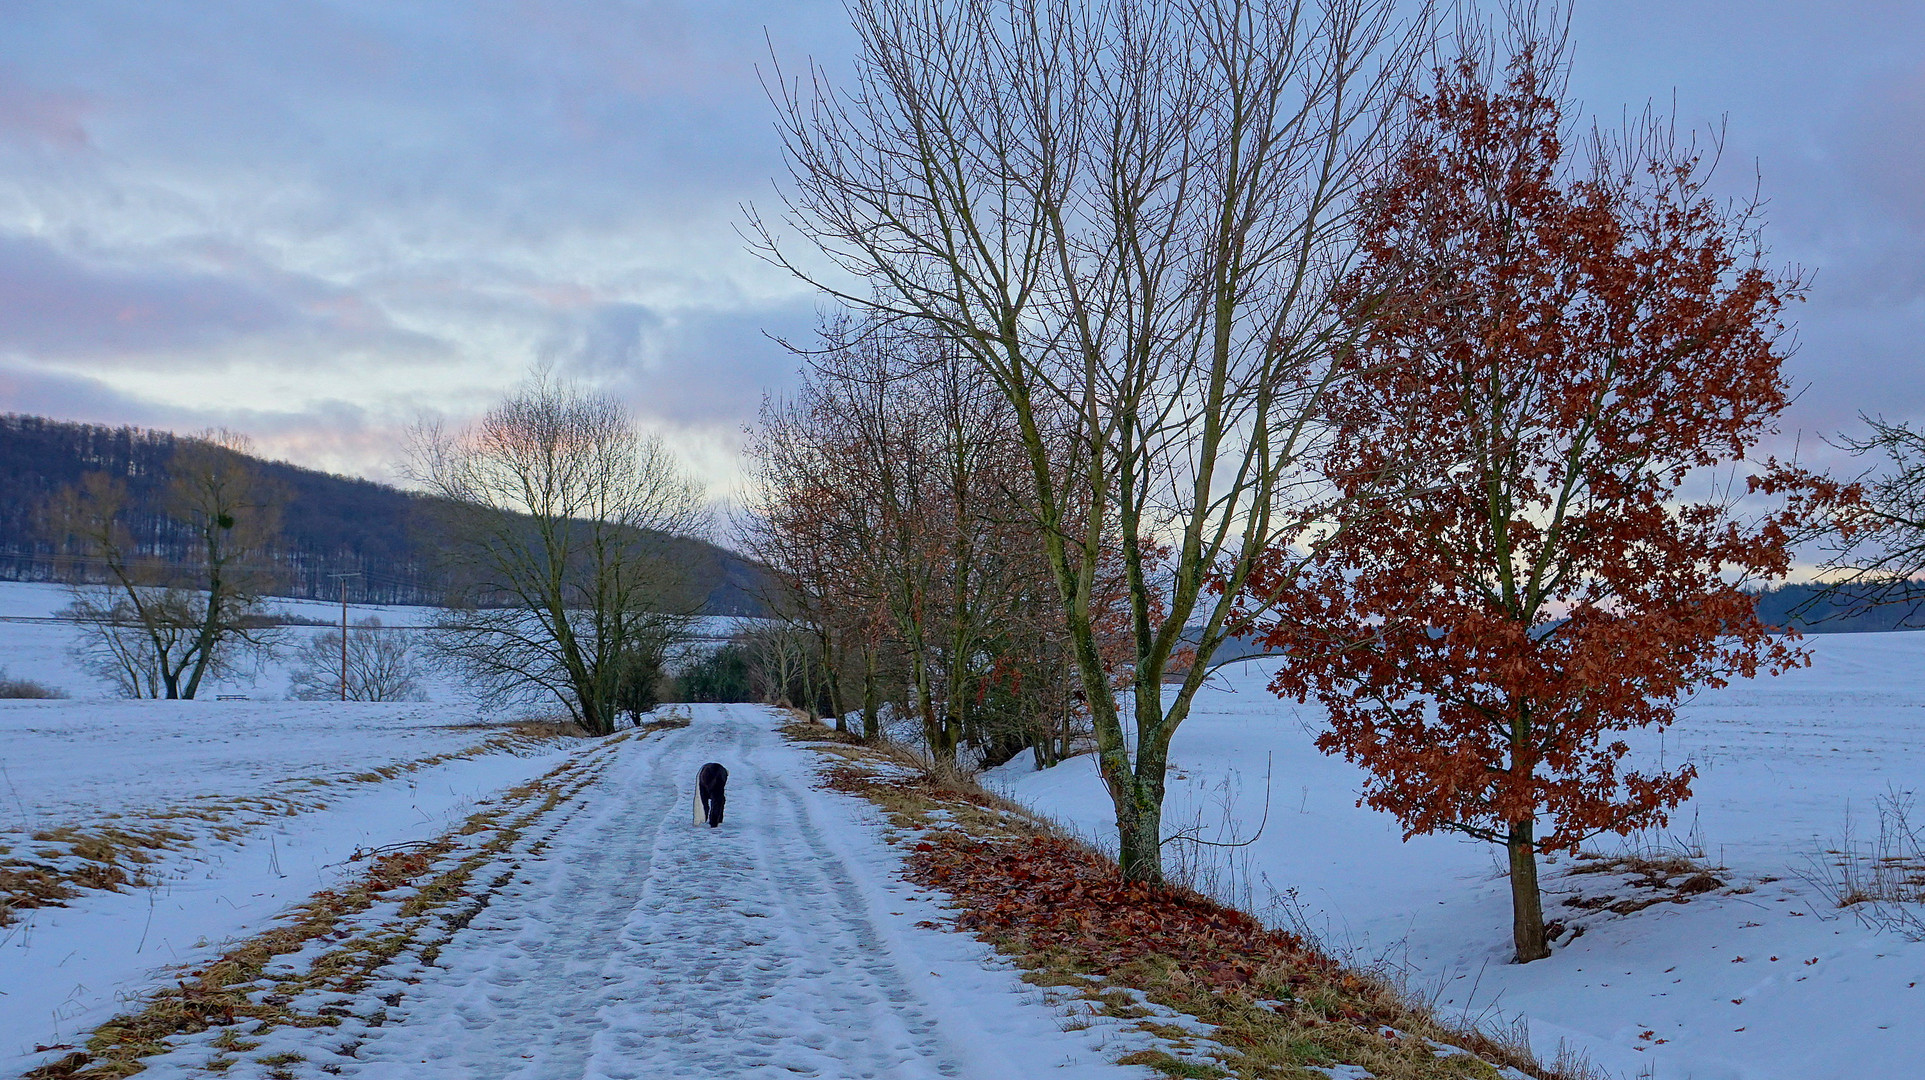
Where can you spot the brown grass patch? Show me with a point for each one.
(1651, 880)
(67, 861)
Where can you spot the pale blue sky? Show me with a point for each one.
(311, 221)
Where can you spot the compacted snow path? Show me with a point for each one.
(633, 943)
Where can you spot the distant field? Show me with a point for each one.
(72, 761)
(41, 651)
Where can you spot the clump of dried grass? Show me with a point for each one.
(1650, 879)
(69, 860)
(1881, 880)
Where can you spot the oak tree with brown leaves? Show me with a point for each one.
(1579, 342)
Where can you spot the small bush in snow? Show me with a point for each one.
(26, 688)
(383, 664)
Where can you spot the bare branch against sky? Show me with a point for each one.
(312, 220)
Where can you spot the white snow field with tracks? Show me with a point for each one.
(1764, 979)
(271, 800)
(613, 938)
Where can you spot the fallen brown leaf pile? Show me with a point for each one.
(1055, 895)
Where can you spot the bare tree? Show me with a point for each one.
(557, 515)
(159, 628)
(383, 664)
(813, 517)
(1877, 538)
(883, 503)
(1130, 214)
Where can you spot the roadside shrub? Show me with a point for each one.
(638, 687)
(722, 675)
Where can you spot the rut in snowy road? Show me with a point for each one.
(617, 939)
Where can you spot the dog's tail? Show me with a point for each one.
(698, 806)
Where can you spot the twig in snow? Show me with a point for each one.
(368, 853)
(24, 822)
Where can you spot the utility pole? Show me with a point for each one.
(343, 578)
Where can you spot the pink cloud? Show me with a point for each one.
(38, 116)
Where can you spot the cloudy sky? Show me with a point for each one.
(315, 221)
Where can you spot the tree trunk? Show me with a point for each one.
(1527, 904)
(592, 719)
(209, 637)
(955, 723)
(203, 647)
(832, 680)
(935, 726)
(1141, 854)
(871, 704)
(1136, 789)
(1065, 714)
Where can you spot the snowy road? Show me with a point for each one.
(638, 945)
(618, 939)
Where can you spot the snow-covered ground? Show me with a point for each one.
(1772, 983)
(614, 938)
(69, 762)
(270, 800)
(636, 944)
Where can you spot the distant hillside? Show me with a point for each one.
(1807, 608)
(331, 524)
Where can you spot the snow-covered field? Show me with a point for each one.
(268, 799)
(35, 645)
(1774, 983)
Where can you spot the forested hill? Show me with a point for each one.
(330, 524)
(1811, 610)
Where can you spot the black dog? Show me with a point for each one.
(709, 795)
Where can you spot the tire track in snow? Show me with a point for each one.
(638, 945)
